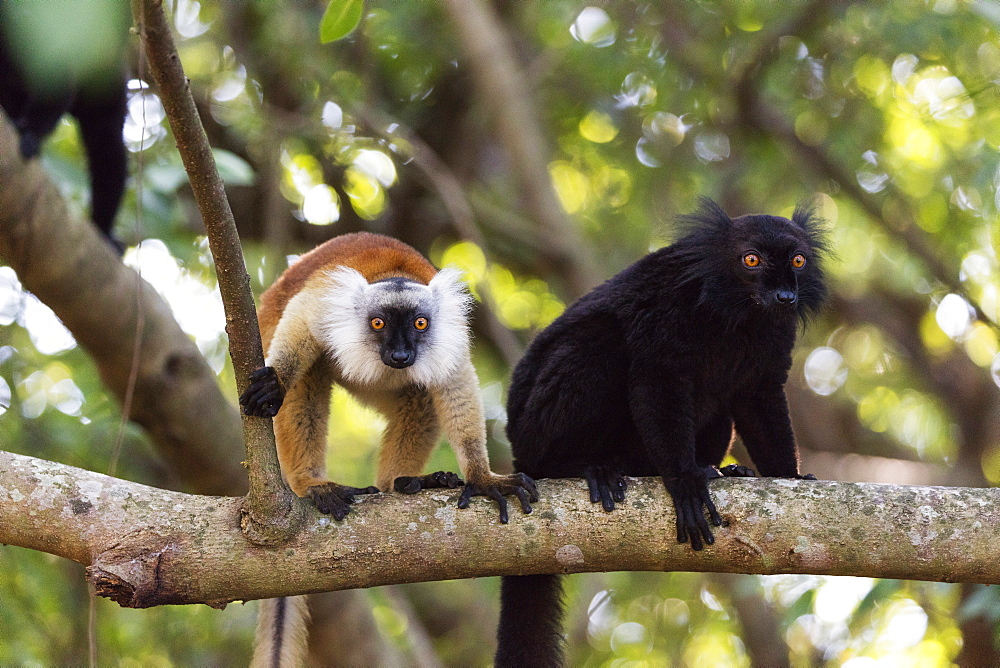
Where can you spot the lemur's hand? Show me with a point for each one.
(497, 487)
(333, 499)
(264, 396)
(437, 480)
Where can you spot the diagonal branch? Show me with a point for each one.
(148, 547)
(270, 511)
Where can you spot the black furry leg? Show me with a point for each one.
(530, 630)
(333, 499)
(408, 484)
(606, 485)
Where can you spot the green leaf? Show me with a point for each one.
(340, 18)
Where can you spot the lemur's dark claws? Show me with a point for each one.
(807, 476)
(518, 484)
(264, 395)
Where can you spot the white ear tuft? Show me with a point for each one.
(450, 291)
(344, 328)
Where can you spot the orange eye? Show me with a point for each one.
(420, 324)
(751, 260)
(377, 324)
(799, 261)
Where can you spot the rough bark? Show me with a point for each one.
(146, 546)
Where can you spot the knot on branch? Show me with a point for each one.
(284, 516)
(130, 578)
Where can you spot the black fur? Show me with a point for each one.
(531, 613)
(649, 373)
(99, 106)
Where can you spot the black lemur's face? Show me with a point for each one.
(771, 258)
(754, 265)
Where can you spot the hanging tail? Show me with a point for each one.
(282, 633)
(530, 631)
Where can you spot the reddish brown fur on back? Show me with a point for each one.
(374, 255)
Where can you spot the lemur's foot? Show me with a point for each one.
(689, 492)
(264, 395)
(333, 499)
(607, 485)
(497, 487)
(438, 480)
(737, 471)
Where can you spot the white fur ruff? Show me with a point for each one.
(344, 329)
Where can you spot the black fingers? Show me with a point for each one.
(264, 395)
(527, 483)
(333, 499)
(463, 501)
(690, 496)
(519, 484)
(523, 496)
(738, 471)
(606, 485)
(808, 476)
(436, 480)
(495, 494)
(407, 484)
(441, 480)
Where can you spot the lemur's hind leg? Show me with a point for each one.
(300, 429)
(409, 438)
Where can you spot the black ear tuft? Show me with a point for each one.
(709, 217)
(807, 218)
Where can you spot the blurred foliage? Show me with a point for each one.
(887, 113)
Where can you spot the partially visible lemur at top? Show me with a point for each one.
(373, 315)
(97, 101)
(648, 375)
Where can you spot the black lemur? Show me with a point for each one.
(649, 374)
(98, 102)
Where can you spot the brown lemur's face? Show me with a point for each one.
(397, 330)
(399, 318)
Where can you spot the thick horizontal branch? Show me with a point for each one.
(146, 546)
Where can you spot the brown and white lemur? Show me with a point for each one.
(371, 314)
(649, 374)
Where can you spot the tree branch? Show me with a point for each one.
(271, 510)
(147, 546)
(61, 259)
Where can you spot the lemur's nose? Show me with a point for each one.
(400, 356)
(785, 297)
